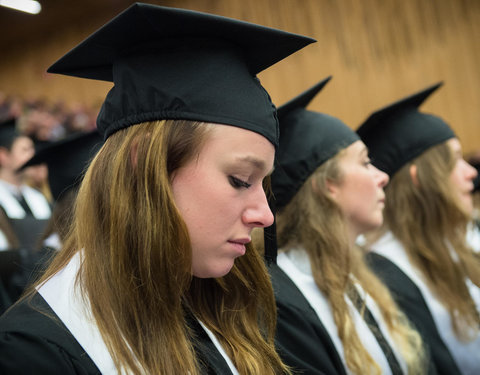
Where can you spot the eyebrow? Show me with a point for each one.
(257, 163)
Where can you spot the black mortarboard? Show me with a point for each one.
(307, 140)
(8, 132)
(399, 133)
(67, 160)
(169, 63)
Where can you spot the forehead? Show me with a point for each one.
(236, 144)
(454, 144)
(356, 149)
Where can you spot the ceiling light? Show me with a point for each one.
(28, 6)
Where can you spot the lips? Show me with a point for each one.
(242, 241)
(239, 245)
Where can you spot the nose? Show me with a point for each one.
(258, 213)
(381, 177)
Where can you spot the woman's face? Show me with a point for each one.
(462, 176)
(359, 193)
(221, 199)
(21, 151)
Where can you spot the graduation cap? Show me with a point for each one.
(307, 140)
(169, 63)
(8, 132)
(67, 160)
(399, 133)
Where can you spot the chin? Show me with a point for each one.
(468, 208)
(214, 273)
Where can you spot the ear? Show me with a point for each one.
(332, 188)
(413, 174)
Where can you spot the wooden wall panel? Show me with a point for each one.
(378, 51)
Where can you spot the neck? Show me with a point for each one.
(11, 177)
(352, 236)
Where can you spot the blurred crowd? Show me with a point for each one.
(44, 120)
(28, 126)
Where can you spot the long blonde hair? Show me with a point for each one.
(313, 221)
(429, 221)
(136, 271)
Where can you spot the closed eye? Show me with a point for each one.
(237, 183)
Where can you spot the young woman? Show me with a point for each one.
(157, 276)
(26, 208)
(24, 212)
(66, 161)
(421, 252)
(334, 315)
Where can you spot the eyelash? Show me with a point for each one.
(237, 183)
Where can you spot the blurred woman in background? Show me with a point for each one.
(334, 315)
(421, 252)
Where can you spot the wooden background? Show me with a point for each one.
(377, 51)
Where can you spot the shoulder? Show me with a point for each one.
(411, 301)
(392, 275)
(34, 341)
(286, 292)
(301, 338)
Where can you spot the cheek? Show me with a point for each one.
(456, 179)
(203, 204)
(366, 197)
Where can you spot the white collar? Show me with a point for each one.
(296, 264)
(65, 299)
(36, 201)
(466, 354)
(53, 241)
(4, 245)
(473, 236)
(219, 347)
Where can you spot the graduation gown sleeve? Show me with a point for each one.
(410, 300)
(34, 341)
(301, 339)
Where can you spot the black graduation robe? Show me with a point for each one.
(28, 218)
(18, 270)
(301, 339)
(34, 342)
(410, 300)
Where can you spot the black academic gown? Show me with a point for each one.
(18, 270)
(301, 339)
(31, 342)
(5, 300)
(410, 300)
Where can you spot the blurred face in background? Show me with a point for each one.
(20, 152)
(462, 176)
(359, 193)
